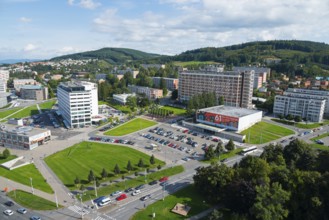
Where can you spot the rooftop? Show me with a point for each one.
(229, 111)
(27, 130)
(31, 87)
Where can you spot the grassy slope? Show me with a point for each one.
(22, 175)
(31, 201)
(3, 160)
(8, 112)
(47, 105)
(264, 132)
(79, 159)
(188, 195)
(130, 127)
(177, 111)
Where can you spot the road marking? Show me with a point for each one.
(78, 210)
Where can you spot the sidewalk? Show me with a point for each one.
(203, 214)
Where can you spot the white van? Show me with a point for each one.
(104, 201)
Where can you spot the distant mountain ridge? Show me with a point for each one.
(111, 55)
(13, 61)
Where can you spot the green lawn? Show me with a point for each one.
(22, 175)
(27, 112)
(3, 160)
(264, 132)
(224, 156)
(188, 195)
(177, 111)
(108, 189)
(5, 113)
(301, 125)
(130, 127)
(31, 201)
(78, 160)
(47, 105)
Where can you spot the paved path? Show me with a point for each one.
(203, 214)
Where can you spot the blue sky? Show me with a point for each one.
(47, 28)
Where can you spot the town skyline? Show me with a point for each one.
(42, 29)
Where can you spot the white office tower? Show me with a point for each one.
(77, 102)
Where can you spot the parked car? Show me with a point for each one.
(35, 217)
(9, 203)
(136, 192)
(8, 212)
(21, 210)
(142, 186)
(163, 179)
(121, 197)
(144, 198)
(153, 182)
(116, 193)
(129, 190)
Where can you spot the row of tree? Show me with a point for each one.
(212, 152)
(161, 112)
(203, 100)
(283, 183)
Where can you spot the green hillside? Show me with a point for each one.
(111, 55)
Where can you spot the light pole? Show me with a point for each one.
(31, 186)
(95, 186)
(145, 176)
(56, 200)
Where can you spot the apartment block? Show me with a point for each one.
(312, 109)
(122, 98)
(235, 86)
(261, 74)
(150, 93)
(4, 74)
(34, 92)
(171, 83)
(18, 83)
(77, 102)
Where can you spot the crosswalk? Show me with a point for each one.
(78, 210)
(99, 218)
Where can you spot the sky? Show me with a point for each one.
(42, 29)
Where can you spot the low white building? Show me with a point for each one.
(122, 98)
(227, 117)
(23, 137)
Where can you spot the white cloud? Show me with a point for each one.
(30, 47)
(88, 4)
(25, 19)
(67, 50)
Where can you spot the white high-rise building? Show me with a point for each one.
(77, 102)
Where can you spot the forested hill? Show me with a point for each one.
(289, 51)
(112, 55)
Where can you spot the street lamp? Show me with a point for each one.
(31, 186)
(95, 186)
(56, 200)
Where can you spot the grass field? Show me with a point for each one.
(224, 156)
(5, 113)
(78, 160)
(31, 201)
(23, 174)
(301, 125)
(130, 127)
(188, 195)
(108, 189)
(47, 105)
(3, 160)
(177, 111)
(264, 132)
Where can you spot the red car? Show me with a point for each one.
(163, 179)
(121, 197)
(185, 131)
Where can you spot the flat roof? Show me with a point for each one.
(229, 111)
(31, 87)
(29, 131)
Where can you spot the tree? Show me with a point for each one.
(219, 149)
(129, 166)
(140, 163)
(77, 181)
(104, 173)
(132, 102)
(163, 86)
(221, 100)
(116, 169)
(6, 153)
(97, 183)
(91, 176)
(159, 167)
(152, 160)
(209, 154)
(298, 118)
(270, 202)
(230, 145)
(174, 94)
(216, 215)
(82, 187)
(273, 154)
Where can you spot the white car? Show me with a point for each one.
(8, 212)
(116, 193)
(136, 192)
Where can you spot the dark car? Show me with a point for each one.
(144, 198)
(129, 190)
(9, 203)
(140, 187)
(153, 182)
